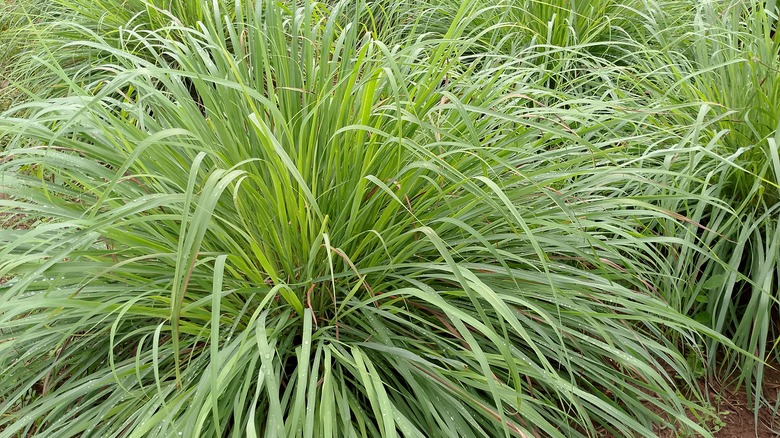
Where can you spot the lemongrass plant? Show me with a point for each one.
(13, 18)
(273, 222)
(718, 62)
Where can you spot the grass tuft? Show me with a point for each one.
(346, 218)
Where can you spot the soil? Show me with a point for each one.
(735, 415)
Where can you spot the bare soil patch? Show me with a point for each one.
(736, 417)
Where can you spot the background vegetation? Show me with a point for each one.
(455, 218)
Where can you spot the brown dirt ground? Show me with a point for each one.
(739, 420)
(736, 418)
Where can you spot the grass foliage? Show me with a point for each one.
(726, 56)
(478, 218)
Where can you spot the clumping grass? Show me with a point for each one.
(7, 25)
(345, 218)
(21, 23)
(723, 57)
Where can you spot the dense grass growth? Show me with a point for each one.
(10, 42)
(478, 218)
(724, 58)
